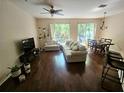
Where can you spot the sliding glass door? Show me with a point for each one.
(85, 32)
(60, 32)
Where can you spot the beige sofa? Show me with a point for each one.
(74, 52)
(51, 46)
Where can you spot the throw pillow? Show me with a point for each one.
(70, 44)
(75, 48)
(73, 44)
(76, 44)
(67, 43)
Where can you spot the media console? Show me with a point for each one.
(29, 50)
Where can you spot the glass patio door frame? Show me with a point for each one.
(86, 39)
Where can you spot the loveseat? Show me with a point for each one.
(51, 46)
(74, 52)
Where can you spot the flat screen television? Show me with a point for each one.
(28, 44)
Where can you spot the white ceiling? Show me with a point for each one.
(72, 8)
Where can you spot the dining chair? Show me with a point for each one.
(114, 62)
(102, 40)
(108, 44)
(92, 43)
(108, 40)
(100, 47)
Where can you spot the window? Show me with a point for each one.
(60, 32)
(85, 32)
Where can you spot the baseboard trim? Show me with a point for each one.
(2, 81)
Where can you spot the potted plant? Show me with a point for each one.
(15, 71)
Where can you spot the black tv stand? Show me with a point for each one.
(28, 56)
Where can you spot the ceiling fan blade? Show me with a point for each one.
(59, 14)
(45, 13)
(58, 10)
(46, 9)
(41, 2)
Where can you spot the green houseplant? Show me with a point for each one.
(15, 71)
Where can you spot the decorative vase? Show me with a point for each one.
(28, 71)
(27, 66)
(22, 77)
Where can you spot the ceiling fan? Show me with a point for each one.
(49, 3)
(52, 11)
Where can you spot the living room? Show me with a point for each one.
(17, 22)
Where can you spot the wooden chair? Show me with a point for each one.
(102, 40)
(92, 43)
(100, 47)
(109, 43)
(114, 62)
(104, 46)
(108, 40)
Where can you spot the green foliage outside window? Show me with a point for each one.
(61, 32)
(85, 32)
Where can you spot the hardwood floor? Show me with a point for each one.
(50, 72)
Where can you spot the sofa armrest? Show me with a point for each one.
(51, 43)
(82, 48)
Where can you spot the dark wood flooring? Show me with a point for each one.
(50, 72)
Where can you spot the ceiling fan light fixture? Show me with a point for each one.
(100, 7)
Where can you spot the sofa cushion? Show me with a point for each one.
(74, 48)
(51, 45)
(74, 45)
(50, 42)
(71, 43)
(78, 53)
(67, 52)
(67, 43)
(66, 47)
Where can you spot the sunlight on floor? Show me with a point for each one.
(88, 61)
(60, 60)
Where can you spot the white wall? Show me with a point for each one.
(115, 30)
(15, 25)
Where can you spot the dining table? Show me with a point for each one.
(101, 46)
